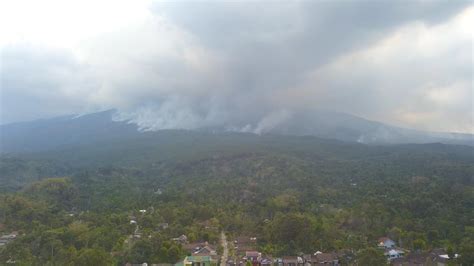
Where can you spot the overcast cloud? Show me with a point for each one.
(244, 65)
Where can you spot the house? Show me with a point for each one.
(245, 243)
(420, 259)
(436, 257)
(307, 259)
(292, 261)
(266, 261)
(10, 236)
(440, 257)
(163, 226)
(192, 247)
(181, 239)
(253, 257)
(443, 260)
(205, 251)
(198, 261)
(385, 242)
(230, 262)
(320, 258)
(394, 253)
(4, 239)
(412, 259)
(278, 262)
(200, 249)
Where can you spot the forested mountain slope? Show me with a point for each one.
(295, 194)
(104, 128)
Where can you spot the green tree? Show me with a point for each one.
(371, 257)
(94, 256)
(141, 251)
(174, 254)
(419, 244)
(450, 252)
(294, 230)
(17, 252)
(466, 252)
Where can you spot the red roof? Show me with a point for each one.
(383, 239)
(251, 253)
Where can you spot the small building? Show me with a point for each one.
(5, 239)
(244, 243)
(163, 226)
(253, 257)
(292, 261)
(205, 251)
(181, 239)
(321, 258)
(412, 259)
(440, 257)
(436, 257)
(385, 242)
(198, 261)
(230, 262)
(266, 261)
(278, 261)
(394, 253)
(200, 248)
(10, 236)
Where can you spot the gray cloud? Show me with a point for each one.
(38, 82)
(251, 65)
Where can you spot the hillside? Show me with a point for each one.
(70, 131)
(244, 183)
(90, 173)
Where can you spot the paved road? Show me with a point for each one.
(225, 253)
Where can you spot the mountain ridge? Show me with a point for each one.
(74, 130)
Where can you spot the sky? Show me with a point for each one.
(239, 64)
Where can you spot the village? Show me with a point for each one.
(243, 251)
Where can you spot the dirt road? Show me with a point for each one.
(225, 252)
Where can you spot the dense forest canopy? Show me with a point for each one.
(73, 206)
